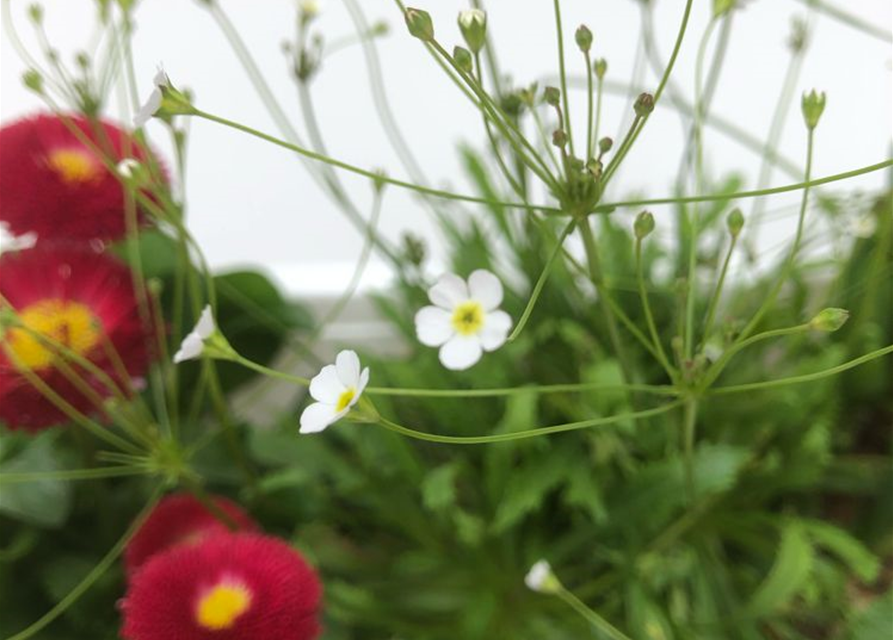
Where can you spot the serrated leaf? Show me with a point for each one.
(529, 487)
(788, 575)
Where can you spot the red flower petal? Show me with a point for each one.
(55, 185)
(180, 519)
(277, 593)
(102, 289)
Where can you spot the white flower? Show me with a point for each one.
(127, 168)
(472, 18)
(153, 104)
(192, 344)
(336, 388)
(465, 320)
(541, 579)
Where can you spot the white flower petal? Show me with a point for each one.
(495, 330)
(326, 386)
(161, 79)
(486, 288)
(364, 380)
(190, 348)
(348, 365)
(317, 417)
(449, 291)
(148, 110)
(205, 325)
(127, 168)
(537, 576)
(433, 326)
(460, 352)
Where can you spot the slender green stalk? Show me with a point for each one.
(529, 433)
(94, 574)
(600, 85)
(541, 281)
(73, 474)
(850, 20)
(589, 104)
(717, 290)
(690, 420)
(649, 317)
(565, 101)
(659, 390)
(594, 618)
(809, 377)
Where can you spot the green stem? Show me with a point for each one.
(649, 317)
(541, 281)
(564, 97)
(690, 418)
(659, 390)
(92, 576)
(529, 433)
(850, 20)
(717, 291)
(73, 474)
(589, 106)
(809, 377)
(594, 618)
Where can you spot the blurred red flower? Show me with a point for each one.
(180, 519)
(228, 587)
(55, 185)
(78, 298)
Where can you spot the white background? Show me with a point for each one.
(252, 203)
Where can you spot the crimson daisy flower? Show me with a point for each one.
(180, 519)
(57, 186)
(239, 586)
(76, 297)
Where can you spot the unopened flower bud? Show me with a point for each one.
(541, 579)
(82, 60)
(35, 12)
(594, 167)
(799, 35)
(722, 6)
(735, 222)
(813, 105)
(552, 96)
(380, 28)
(33, 80)
(583, 36)
(830, 319)
(559, 138)
(605, 144)
(462, 58)
(600, 67)
(644, 105)
(420, 24)
(473, 25)
(643, 225)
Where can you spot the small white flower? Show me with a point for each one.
(127, 168)
(336, 388)
(465, 320)
(153, 104)
(192, 344)
(541, 579)
(473, 18)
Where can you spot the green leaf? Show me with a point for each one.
(840, 543)
(439, 489)
(45, 502)
(873, 623)
(788, 575)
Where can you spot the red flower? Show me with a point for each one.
(229, 587)
(81, 299)
(55, 185)
(180, 519)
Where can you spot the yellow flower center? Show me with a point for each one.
(345, 398)
(220, 607)
(468, 318)
(74, 166)
(70, 323)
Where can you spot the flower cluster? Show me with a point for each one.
(71, 328)
(192, 577)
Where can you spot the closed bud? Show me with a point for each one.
(552, 96)
(473, 25)
(559, 138)
(722, 6)
(82, 60)
(813, 105)
(420, 24)
(830, 319)
(380, 28)
(35, 12)
(33, 80)
(600, 67)
(528, 95)
(735, 222)
(799, 34)
(605, 144)
(594, 167)
(583, 36)
(462, 58)
(644, 105)
(643, 225)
